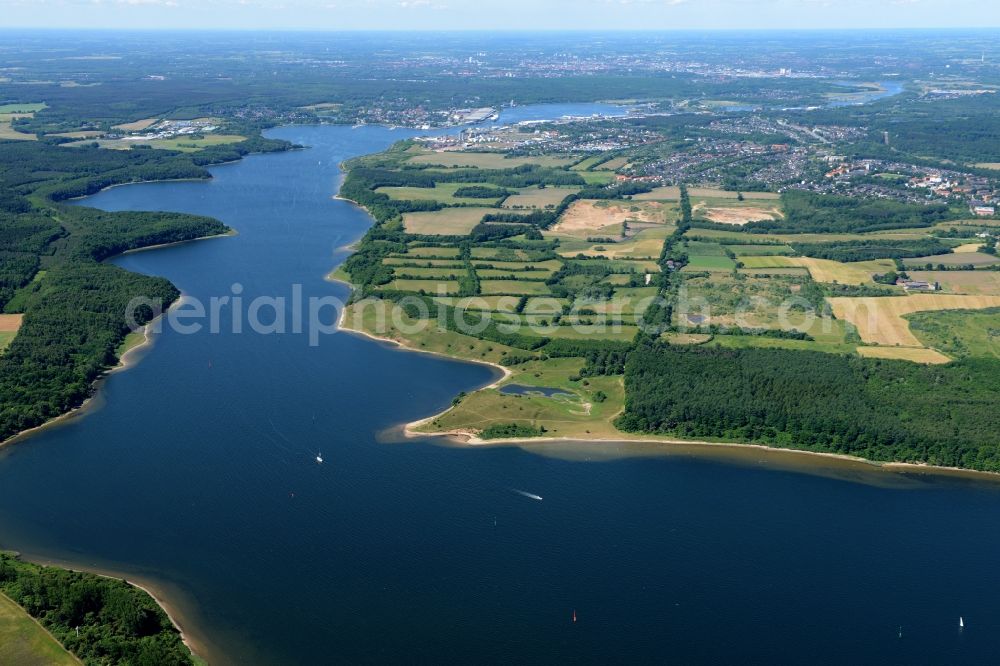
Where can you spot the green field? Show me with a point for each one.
(547, 265)
(422, 273)
(427, 286)
(955, 259)
(597, 177)
(766, 261)
(709, 262)
(513, 287)
(441, 192)
(580, 414)
(419, 251)
(959, 333)
(5, 339)
(490, 273)
(488, 303)
(406, 260)
(23, 642)
(760, 250)
(22, 107)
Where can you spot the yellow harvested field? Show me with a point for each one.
(447, 221)
(989, 165)
(601, 218)
(968, 247)
(10, 323)
(8, 132)
(880, 319)
(825, 270)
(138, 125)
(915, 354)
(962, 282)
(741, 215)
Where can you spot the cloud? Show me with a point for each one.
(421, 4)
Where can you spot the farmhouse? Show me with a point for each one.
(918, 285)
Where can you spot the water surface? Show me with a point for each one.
(198, 474)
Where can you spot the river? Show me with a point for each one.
(196, 474)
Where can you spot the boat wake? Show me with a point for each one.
(527, 494)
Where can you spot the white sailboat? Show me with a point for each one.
(961, 622)
(319, 458)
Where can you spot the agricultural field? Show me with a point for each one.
(959, 333)
(742, 251)
(614, 164)
(9, 325)
(589, 218)
(855, 272)
(446, 222)
(882, 321)
(962, 282)
(521, 287)
(645, 244)
(823, 270)
(137, 125)
(24, 642)
(534, 197)
(597, 177)
(432, 251)
(429, 286)
(11, 112)
(441, 192)
(976, 259)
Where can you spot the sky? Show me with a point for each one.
(498, 14)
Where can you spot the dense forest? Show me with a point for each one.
(877, 409)
(807, 212)
(871, 249)
(101, 620)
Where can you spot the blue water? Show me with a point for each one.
(198, 474)
(888, 89)
(520, 389)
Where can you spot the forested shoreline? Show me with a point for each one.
(101, 620)
(53, 268)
